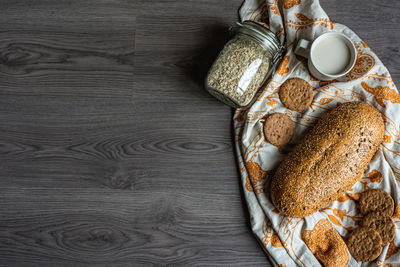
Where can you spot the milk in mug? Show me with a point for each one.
(331, 55)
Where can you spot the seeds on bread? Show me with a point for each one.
(329, 160)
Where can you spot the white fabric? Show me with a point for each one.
(369, 81)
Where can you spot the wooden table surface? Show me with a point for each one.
(112, 153)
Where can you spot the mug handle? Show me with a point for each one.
(303, 48)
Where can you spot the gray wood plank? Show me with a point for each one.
(128, 228)
(112, 153)
(113, 159)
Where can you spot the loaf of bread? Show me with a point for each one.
(329, 160)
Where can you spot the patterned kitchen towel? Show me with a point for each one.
(315, 240)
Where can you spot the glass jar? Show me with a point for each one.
(244, 65)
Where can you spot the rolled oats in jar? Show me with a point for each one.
(244, 64)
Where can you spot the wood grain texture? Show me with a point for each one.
(112, 153)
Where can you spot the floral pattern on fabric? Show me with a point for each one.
(293, 241)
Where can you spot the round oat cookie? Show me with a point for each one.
(278, 129)
(381, 223)
(376, 200)
(364, 244)
(296, 94)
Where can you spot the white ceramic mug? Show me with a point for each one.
(330, 56)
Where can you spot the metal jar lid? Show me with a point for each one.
(263, 35)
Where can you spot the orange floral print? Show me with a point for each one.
(381, 77)
(256, 173)
(326, 244)
(396, 212)
(335, 221)
(264, 16)
(355, 196)
(364, 185)
(256, 115)
(320, 103)
(311, 77)
(283, 68)
(275, 8)
(280, 32)
(256, 11)
(393, 249)
(275, 241)
(340, 213)
(307, 22)
(254, 181)
(287, 4)
(382, 93)
(375, 176)
(261, 14)
(270, 236)
(302, 17)
(275, 211)
(265, 6)
(248, 185)
(344, 198)
(364, 44)
(272, 103)
(323, 83)
(387, 138)
(364, 63)
(239, 116)
(324, 101)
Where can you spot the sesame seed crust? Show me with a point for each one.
(329, 160)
